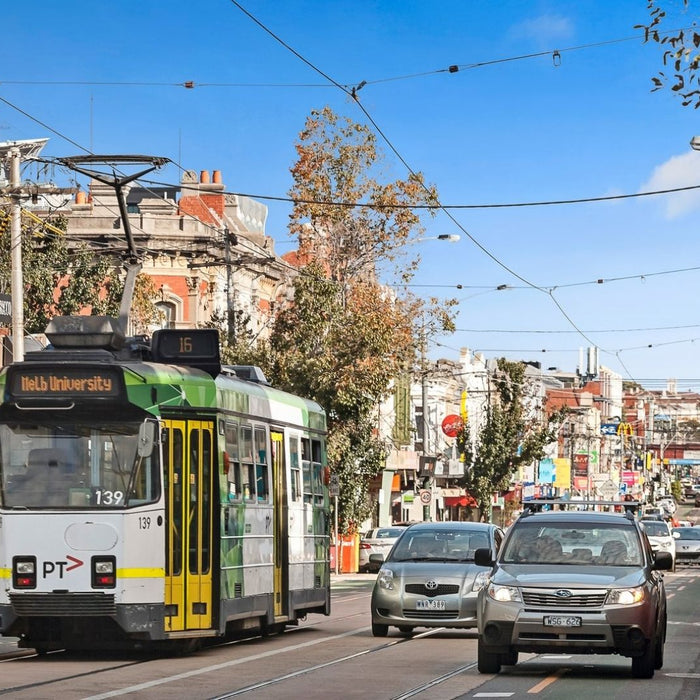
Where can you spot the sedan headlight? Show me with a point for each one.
(625, 596)
(504, 594)
(480, 580)
(385, 579)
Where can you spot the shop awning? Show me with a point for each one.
(464, 501)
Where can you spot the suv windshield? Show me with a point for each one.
(577, 543)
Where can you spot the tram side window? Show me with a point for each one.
(261, 469)
(247, 464)
(317, 469)
(306, 468)
(295, 467)
(235, 491)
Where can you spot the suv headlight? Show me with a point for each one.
(625, 596)
(385, 579)
(504, 594)
(480, 580)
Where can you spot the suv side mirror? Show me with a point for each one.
(483, 557)
(663, 561)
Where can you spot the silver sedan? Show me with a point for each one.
(430, 579)
(687, 544)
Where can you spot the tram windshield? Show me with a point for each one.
(83, 465)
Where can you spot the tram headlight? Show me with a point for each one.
(24, 572)
(104, 572)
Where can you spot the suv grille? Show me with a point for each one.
(547, 599)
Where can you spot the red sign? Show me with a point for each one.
(452, 425)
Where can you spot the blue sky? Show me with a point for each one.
(515, 131)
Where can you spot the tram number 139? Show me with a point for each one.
(144, 522)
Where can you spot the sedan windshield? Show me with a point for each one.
(441, 545)
(578, 543)
(47, 465)
(687, 533)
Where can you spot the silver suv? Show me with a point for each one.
(574, 582)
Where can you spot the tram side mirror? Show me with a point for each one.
(146, 438)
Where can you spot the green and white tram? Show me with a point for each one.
(150, 496)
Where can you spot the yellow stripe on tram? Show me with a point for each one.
(141, 573)
(5, 573)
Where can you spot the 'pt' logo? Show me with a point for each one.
(62, 567)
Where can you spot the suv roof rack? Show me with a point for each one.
(535, 505)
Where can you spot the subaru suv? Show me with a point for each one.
(573, 582)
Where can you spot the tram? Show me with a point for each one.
(151, 497)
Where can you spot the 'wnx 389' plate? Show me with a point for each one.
(430, 605)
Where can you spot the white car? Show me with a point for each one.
(668, 504)
(660, 537)
(379, 540)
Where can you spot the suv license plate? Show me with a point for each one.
(430, 605)
(561, 621)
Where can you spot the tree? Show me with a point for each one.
(345, 336)
(61, 279)
(680, 52)
(510, 436)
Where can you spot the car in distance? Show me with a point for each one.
(430, 579)
(573, 582)
(379, 540)
(660, 537)
(687, 544)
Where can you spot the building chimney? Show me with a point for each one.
(216, 177)
(204, 177)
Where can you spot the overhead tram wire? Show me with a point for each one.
(353, 94)
(452, 69)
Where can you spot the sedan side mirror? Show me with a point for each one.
(376, 558)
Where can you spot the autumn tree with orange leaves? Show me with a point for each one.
(347, 335)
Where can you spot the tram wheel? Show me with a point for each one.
(406, 629)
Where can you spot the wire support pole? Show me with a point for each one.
(16, 281)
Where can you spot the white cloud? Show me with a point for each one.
(679, 171)
(544, 29)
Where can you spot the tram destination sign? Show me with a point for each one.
(64, 382)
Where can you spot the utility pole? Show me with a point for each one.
(16, 283)
(13, 151)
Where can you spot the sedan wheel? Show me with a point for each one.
(379, 630)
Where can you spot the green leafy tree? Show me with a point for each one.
(509, 437)
(63, 279)
(681, 54)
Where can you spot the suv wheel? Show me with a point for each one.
(510, 658)
(643, 666)
(659, 653)
(487, 662)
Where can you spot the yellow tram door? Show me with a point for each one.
(188, 456)
(279, 517)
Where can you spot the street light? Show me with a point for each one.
(450, 237)
(695, 143)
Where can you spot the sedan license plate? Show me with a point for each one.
(430, 605)
(561, 621)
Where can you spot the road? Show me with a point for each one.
(338, 657)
